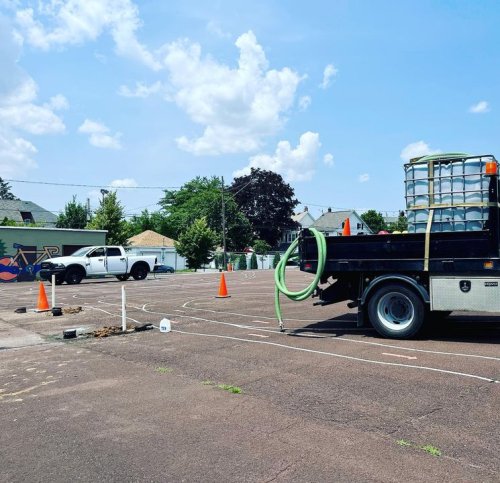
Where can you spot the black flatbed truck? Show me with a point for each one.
(398, 280)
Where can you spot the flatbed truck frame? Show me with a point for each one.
(397, 281)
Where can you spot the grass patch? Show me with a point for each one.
(208, 383)
(428, 448)
(403, 442)
(231, 389)
(163, 370)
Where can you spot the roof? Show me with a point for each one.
(12, 209)
(299, 216)
(331, 220)
(150, 238)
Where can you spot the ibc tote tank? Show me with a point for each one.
(450, 187)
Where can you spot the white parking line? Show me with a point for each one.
(398, 355)
(260, 335)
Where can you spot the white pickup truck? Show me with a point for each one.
(96, 261)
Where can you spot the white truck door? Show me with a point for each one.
(116, 261)
(97, 260)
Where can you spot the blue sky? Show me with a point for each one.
(335, 96)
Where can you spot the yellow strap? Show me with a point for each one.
(428, 240)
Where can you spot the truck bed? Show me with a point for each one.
(461, 252)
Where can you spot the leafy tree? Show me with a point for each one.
(197, 243)
(74, 216)
(109, 216)
(156, 221)
(7, 222)
(276, 259)
(202, 197)
(401, 224)
(374, 220)
(242, 265)
(267, 201)
(261, 247)
(5, 193)
(253, 262)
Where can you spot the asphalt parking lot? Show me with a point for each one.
(324, 401)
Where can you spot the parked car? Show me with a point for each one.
(163, 269)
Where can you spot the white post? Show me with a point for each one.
(124, 310)
(53, 290)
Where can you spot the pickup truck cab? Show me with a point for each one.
(97, 261)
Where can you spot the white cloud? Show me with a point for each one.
(15, 155)
(216, 30)
(480, 108)
(363, 178)
(99, 136)
(416, 150)
(79, 21)
(238, 107)
(124, 183)
(141, 89)
(58, 103)
(304, 102)
(328, 159)
(293, 164)
(19, 111)
(329, 72)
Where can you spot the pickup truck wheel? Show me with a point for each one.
(396, 311)
(59, 280)
(73, 276)
(140, 272)
(122, 278)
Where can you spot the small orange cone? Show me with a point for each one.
(222, 288)
(43, 303)
(347, 228)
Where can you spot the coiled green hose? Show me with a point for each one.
(279, 274)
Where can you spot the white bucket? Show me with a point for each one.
(165, 325)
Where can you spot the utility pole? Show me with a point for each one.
(223, 227)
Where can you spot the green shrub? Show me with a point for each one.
(243, 262)
(276, 260)
(253, 262)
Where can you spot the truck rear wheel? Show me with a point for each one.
(396, 311)
(140, 271)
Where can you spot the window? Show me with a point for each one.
(27, 217)
(360, 226)
(98, 252)
(114, 252)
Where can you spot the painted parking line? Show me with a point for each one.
(260, 322)
(260, 335)
(398, 355)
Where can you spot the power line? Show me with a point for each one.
(94, 185)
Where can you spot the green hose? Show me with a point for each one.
(279, 274)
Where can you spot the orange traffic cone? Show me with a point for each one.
(222, 288)
(347, 228)
(43, 304)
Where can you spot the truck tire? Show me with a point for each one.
(74, 276)
(124, 277)
(396, 311)
(140, 271)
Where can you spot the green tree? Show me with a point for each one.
(253, 262)
(5, 193)
(156, 221)
(74, 216)
(261, 247)
(267, 201)
(109, 216)
(374, 220)
(197, 243)
(7, 222)
(202, 197)
(276, 259)
(401, 224)
(242, 265)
